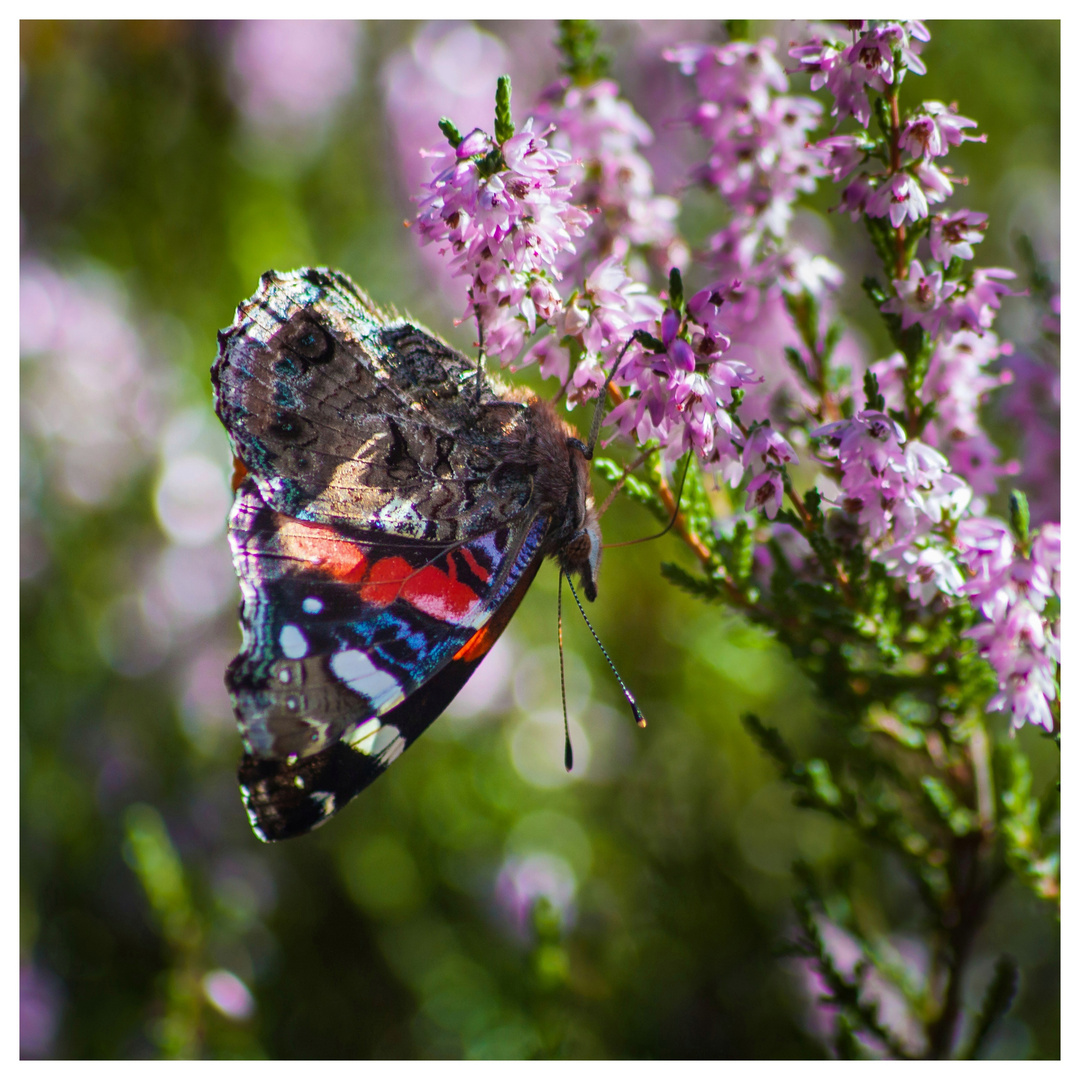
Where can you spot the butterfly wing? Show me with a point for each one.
(351, 417)
(351, 648)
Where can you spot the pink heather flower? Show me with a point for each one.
(931, 134)
(767, 449)
(895, 492)
(873, 53)
(758, 157)
(958, 383)
(921, 299)
(602, 317)
(843, 154)
(1011, 591)
(934, 182)
(820, 59)
(1032, 407)
(899, 198)
(765, 492)
(759, 160)
(679, 397)
(604, 136)
(952, 236)
(855, 196)
(798, 271)
(847, 72)
(928, 570)
(975, 308)
(505, 232)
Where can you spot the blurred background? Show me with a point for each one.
(476, 901)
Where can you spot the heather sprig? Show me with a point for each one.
(840, 501)
(502, 210)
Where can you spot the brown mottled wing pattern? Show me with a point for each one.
(348, 417)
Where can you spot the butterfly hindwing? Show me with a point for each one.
(351, 648)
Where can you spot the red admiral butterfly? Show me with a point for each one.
(392, 507)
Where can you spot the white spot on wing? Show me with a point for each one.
(385, 739)
(312, 605)
(401, 516)
(293, 643)
(362, 736)
(358, 673)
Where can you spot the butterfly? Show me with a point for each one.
(392, 506)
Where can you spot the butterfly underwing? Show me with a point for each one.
(391, 509)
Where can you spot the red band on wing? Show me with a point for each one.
(440, 595)
(324, 548)
(481, 572)
(429, 589)
(386, 581)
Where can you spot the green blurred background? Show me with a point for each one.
(476, 901)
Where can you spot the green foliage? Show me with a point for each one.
(504, 121)
(583, 59)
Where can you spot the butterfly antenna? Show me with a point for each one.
(629, 697)
(668, 526)
(598, 415)
(568, 753)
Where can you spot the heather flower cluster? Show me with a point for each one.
(503, 212)
(509, 209)
(1017, 587)
(604, 137)
(683, 390)
(899, 493)
(896, 177)
(868, 63)
(958, 380)
(874, 557)
(759, 161)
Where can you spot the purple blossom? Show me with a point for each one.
(604, 136)
(1032, 407)
(854, 197)
(900, 198)
(921, 299)
(952, 236)
(843, 154)
(847, 72)
(958, 382)
(765, 492)
(505, 232)
(935, 182)
(757, 134)
(928, 570)
(975, 308)
(602, 317)
(897, 491)
(767, 449)
(1011, 590)
(680, 396)
(939, 127)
